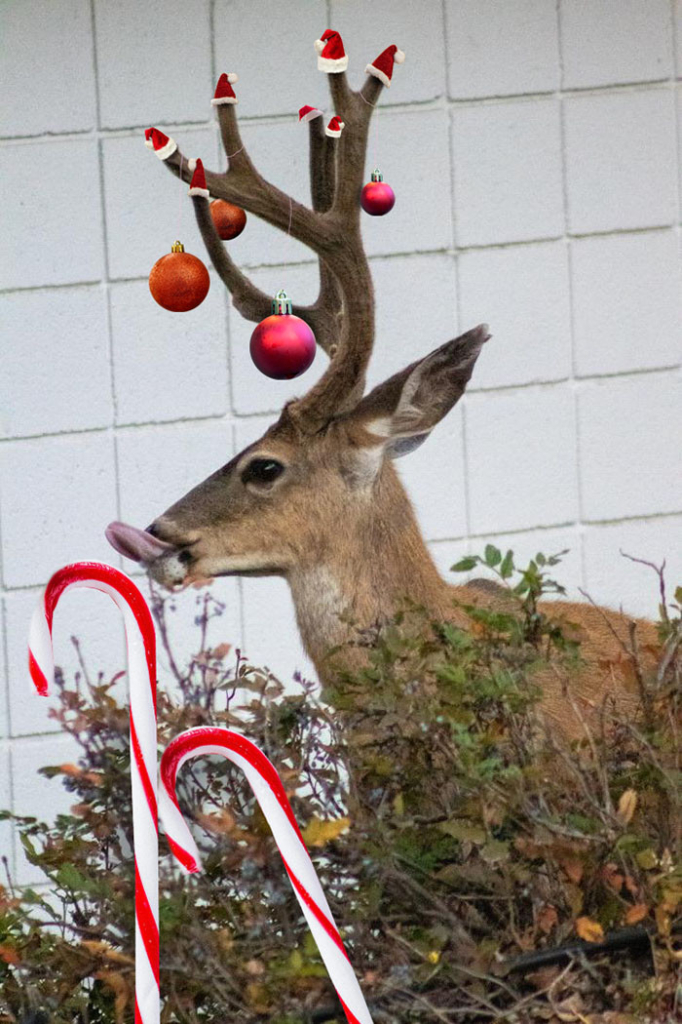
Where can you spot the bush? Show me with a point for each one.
(457, 839)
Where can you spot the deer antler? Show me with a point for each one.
(342, 317)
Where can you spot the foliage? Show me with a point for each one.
(453, 833)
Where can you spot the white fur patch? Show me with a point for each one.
(380, 427)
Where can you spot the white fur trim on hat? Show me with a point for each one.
(372, 70)
(332, 66)
(223, 99)
(334, 133)
(198, 192)
(310, 114)
(167, 150)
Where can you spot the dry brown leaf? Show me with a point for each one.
(72, 770)
(547, 918)
(121, 989)
(589, 930)
(10, 955)
(219, 822)
(98, 948)
(613, 877)
(627, 805)
(636, 913)
(319, 832)
(573, 868)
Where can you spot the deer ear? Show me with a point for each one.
(401, 413)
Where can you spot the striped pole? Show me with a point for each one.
(141, 645)
(269, 791)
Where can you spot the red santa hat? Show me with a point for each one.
(162, 145)
(331, 56)
(309, 113)
(224, 93)
(334, 128)
(197, 186)
(382, 67)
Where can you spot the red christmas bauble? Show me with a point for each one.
(179, 281)
(282, 346)
(229, 220)
(377, 197)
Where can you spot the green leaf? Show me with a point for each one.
(465, 564)
(492, 555)
(507, 567)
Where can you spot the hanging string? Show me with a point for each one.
(182, 205)
(230, 155)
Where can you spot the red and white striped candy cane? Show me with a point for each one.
(269, 791)
(141, 645)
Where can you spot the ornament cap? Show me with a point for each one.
(377, 175)
(177, 247)
(281, 304)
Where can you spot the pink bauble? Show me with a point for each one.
(282, 346)
(377, 198)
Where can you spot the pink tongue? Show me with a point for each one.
(136, 544)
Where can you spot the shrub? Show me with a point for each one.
(457, 839)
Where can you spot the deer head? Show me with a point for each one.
(319, 485)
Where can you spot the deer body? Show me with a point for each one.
(317, 499)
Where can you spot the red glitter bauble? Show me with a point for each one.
(282, 346)
(229, 220)
(377, 197)
(179, 281)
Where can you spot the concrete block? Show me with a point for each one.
(416, 310)
(521, 462)
(615, 581)
(36, 796)
(158, 465)
(273, 52)
(57, 39)
(51, 218)
(507, 168)
(251, 391)
(86, 615)
(4, 681)
(146, 207)
(59, 493)
(416, 28)
(627, 302)
(620, 160)
(434, 477)
(522, 292)
(630, 432)
(411, 150)
(168, 366)
(271, 637)
(54, 345)
(498, 49)
(614, 41)
(6, 849)
(154, 64)
(447, 553)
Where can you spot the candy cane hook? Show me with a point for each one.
(269, 791)
(141, 646)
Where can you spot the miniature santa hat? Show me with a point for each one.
(331, 56)
(334, 128)
(197, 186)
(382, 67)
(224, 93)
(162, 145)
(309, 113)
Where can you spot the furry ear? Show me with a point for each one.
(401, 413)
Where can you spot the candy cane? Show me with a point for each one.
(269, 791)
(141, 645)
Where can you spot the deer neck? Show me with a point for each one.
(361, 580)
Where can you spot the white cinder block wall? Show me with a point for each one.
(534, 147)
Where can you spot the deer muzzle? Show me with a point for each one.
(166, 563)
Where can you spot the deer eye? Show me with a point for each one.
(262, 471)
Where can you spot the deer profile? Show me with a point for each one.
(317, 500)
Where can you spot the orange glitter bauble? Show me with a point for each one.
(229, 219)
(179, 281)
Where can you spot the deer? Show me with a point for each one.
(317, 499)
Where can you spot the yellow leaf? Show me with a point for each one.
(319, 832)
(627, 806)
(433, 957)
(589, 930)
(636, 913)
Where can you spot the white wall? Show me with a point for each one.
(533, 147)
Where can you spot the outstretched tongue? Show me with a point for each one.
(134, 543)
